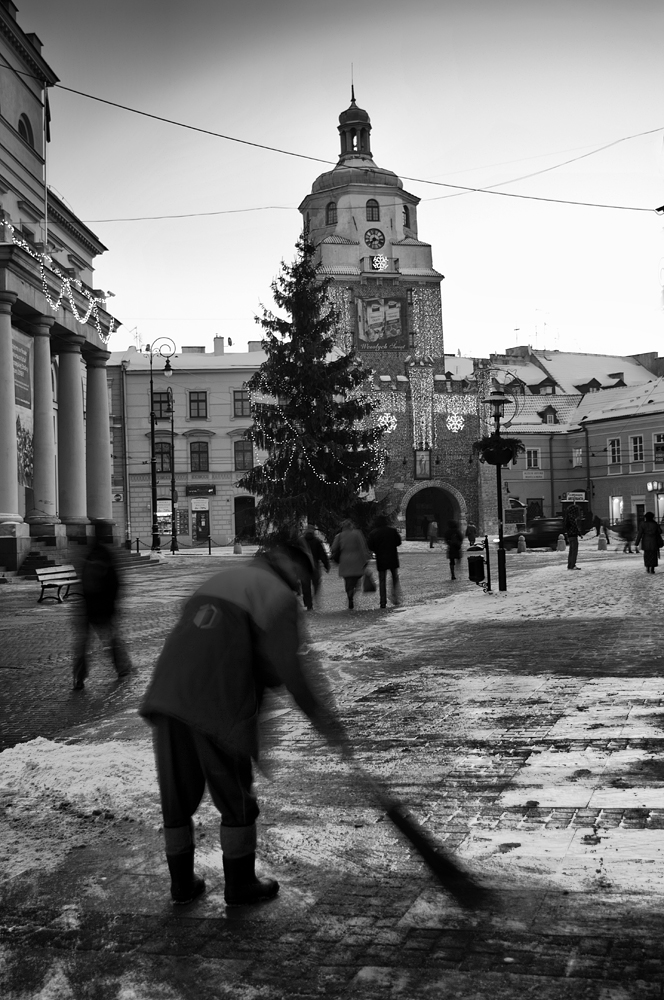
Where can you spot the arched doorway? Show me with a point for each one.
(432, 503)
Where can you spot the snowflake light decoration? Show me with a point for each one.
(380, 262)
(454, 422)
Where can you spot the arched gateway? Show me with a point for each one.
(434, 501)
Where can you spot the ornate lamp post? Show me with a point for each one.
(174, 530)
(496, 401)
(656, 487)
(165, 348)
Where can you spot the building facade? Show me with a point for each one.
(55, 472)
(364, 225)
(202, 412)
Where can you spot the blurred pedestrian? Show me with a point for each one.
(597, 524)
(454, 541)
(101, 586)
(350, 551)
(237, 635)
(606, 524)
(384, 541)
(628, 533)
(573, 529)
(425, 526)
(432, 533)
(650, 539)
(320, 557)
(471, 533)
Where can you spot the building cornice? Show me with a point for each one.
(24, 48)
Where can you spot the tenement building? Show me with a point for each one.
(55, 460)
(388, 296)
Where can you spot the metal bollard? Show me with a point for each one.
(561, 545)
(521, 544)
(138, 542)
(602, 544)
(209, 546)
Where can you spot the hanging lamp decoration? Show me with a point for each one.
(67, 286)
(420, 375)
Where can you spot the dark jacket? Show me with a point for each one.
(454, 540)
(649, 536)
(101, 584)
(237, 635)
(384, 542)
(318, 554)
(573, 522)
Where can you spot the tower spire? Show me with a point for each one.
(354, 131)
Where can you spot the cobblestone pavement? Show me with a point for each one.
(523, 731)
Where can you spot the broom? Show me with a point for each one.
(468, 893)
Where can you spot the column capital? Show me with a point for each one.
(42, 326)
(7, 300)
(97, 360)
(72, 345)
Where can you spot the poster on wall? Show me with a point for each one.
(381, 323)
(22, 352)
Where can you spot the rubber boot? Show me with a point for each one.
(185, 886)
(80, 672)
(242, 884)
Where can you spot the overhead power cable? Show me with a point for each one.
(462, 188)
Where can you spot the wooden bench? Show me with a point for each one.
(60, 577)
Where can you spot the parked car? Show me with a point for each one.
(541, 533)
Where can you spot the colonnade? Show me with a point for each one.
(80, 493)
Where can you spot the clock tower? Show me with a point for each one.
(386, 290)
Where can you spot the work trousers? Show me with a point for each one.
(187, 761)
(573, 551)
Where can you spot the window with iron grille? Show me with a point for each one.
(200, 457)
(162, 452)
(613, 448)
(577, 456)
(533, 458)
(373, 210)
(241, 403)
(160, 406)
(244, 455)
(198, 404)
(636, 448)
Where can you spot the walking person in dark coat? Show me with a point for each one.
(319, 557)
(432, 533)
(628, 533)
(651, 541)
(383, 541)
(454, 540)
(238, 635)
(101, 586)
(471, 533)
(573, 530)
(350, 550)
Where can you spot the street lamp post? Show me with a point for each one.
(497, 401)
(657, 488)
(174, 531)
(165, 348)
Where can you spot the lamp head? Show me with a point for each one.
(168, 371)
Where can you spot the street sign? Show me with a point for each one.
(118, 498)
(200, 503)
(579, 495)
(204, 490)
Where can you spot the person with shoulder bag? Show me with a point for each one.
(350, 551)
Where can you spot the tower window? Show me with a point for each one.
(406, 216)
(25, 130)
(373, 210)
(331, 214)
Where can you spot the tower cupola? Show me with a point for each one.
(354, 130)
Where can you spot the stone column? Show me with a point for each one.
(43, 477)
(8, 449)
(97, 441)
(71, 434)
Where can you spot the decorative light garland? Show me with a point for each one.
(457, 406)
(420, 375)
(66, 290)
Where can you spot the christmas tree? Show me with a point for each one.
(313, 410)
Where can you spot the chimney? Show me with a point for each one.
(218, 344)
(255, 345)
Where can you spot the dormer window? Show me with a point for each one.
(406, 217)
(373, 210)
(25, 130)
(331, 214)
(548, 415)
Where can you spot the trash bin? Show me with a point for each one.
(476, 563)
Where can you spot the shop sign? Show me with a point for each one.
(201, 491)
(200, 504)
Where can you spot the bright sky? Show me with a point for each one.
(473, 93)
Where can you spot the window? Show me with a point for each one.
(406, 216)
(636, 448)
(373, 210)
(550, 418)
(198, 405)
(244, 455)
(422, 465)
(200, 459)
(241, 403)
(160, 406)
(533, 458)
(577, 457)
(25, 130)
(331, 214)
(613, 448)
(658, 449)
(162, 452)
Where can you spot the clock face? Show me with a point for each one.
(374, 239)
